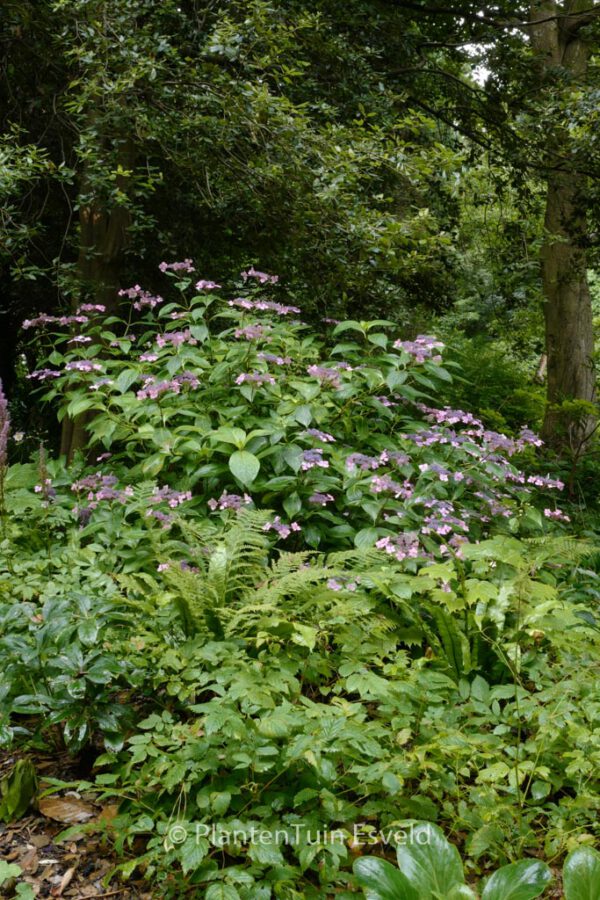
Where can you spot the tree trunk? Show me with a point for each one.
(568, 316)
(103, 236)
(568, 308)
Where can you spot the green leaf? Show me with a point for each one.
(24, 891)
(522, 880)
(581, 875)
(430, 863)
(244, 466)
(8, 870)
(192, 853)
(461, 892)
(87, 631)
(380, 880)
(236, 436)
(221, 892)
(17, 790)
(366, 537)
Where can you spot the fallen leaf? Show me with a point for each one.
(29, 862)
(40, 840)
(66, 809)
(65, 882)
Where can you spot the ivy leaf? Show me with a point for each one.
(522, 880)
(244, 466)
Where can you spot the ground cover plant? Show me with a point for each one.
(287, 601)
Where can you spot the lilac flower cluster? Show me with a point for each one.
(141, 298)
(255, 378)
(312, 458)
(385, 401)
(186, 266)
(261, 277)
(280, 527)
(448, 416)
(557, 514)
(253, 332)
(263, 306)
(64, 321)
(384, 484)
(99, 487)
(544, 481)
(442, 473)
(394, 456)
(90, 308)
(229, 501)
(326, 375)
(320, 435)
(319, 499)
(421, 348)
(82, 365)
(44, 374)
(343, 583)
(176, 338)
(167, 495)
(152, 389)
(204, 285)
(402, 546)
(360, 461)
(102, 382)
(275, 360)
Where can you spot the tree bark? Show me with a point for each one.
(568, 308)
(103, 237)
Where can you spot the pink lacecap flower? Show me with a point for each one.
(186, 266)
(203, 285)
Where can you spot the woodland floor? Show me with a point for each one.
(75, 868)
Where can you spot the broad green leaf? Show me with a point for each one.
(430, 863)
(581, 874)
(229, 435)
(244, 466)
(522, 880)
(366, 537)
(461, 892)
(380, 880)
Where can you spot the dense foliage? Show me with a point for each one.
(292, 600)
(288, 581)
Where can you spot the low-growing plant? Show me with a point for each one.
(430, 868)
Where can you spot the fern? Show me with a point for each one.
(235, 590)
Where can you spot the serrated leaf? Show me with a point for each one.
(191, 854)
(221, 892)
